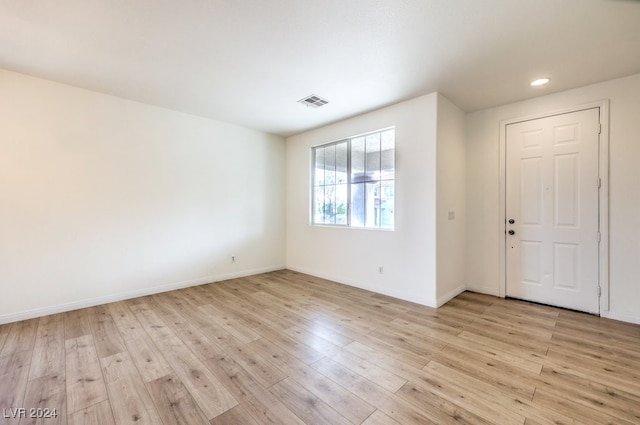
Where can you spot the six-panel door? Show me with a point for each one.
(552, 199)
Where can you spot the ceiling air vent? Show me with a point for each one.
(313, 101)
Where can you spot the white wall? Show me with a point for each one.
(352, 256)
(483, 165)
(451, 195)
(103, 198)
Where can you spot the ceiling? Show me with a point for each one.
(248, 62)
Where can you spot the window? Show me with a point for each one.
(354, 181)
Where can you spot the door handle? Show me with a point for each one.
(511, 221)
(512, 232)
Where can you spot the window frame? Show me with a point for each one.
(349, 182)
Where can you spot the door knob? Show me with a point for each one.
(512, 232)
(511, 221)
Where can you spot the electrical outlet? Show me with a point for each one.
(233, 259)
(380, 269)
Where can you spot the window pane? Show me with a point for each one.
(357, 160)
(318, 205)
(387, 165)
(387, 139)
(372, 211)
(373, 156)
(330, 204)
(341, 204)
(358, 197)
(387, 146)
(319, 166)
(387, 204)
(330, 164)
(341, 162)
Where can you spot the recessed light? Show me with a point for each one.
(540, 82)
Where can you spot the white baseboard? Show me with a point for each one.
(483, 290)
(630, 318)
(90, 302)
(450, 295)
(360, 285)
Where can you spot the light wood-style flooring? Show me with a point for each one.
(287, 348)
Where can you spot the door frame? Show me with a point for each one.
(603, 195)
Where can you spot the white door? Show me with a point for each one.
(552, 232)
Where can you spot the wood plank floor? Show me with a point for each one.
(287, 348)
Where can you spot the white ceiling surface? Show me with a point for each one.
(248, 62)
